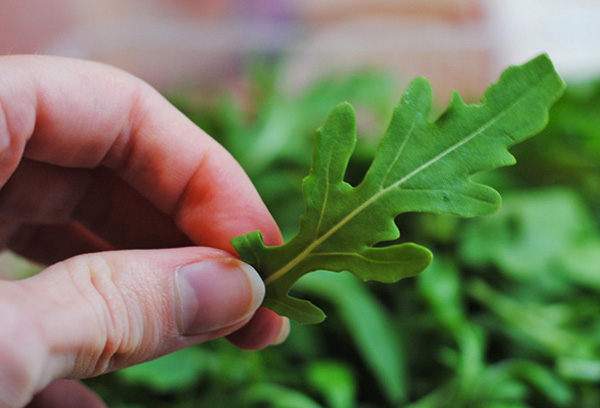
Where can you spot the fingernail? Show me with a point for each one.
(283, 332)
(215, 294)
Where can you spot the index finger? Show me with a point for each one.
(74, 113)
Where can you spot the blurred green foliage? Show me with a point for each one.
(508, 315)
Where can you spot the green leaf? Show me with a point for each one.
(373, 334)
(274, 396)
(420, 166)
(534, 231)
(527, 319)
(543, 379)
(579, 369)
(334, 381)
(172, 372)
(442, 288)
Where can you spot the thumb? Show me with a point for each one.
(99, 312)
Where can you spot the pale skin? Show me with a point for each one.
(101, 178)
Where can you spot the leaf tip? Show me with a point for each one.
(418, 96)
(343, 116)
(344, 109)
(419, 86)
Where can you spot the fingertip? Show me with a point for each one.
(266, 328)
(215, 294)
(284, 332)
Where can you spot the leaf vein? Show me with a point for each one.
(398, 154)
(354, 254)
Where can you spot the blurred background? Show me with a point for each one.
(457, 44)
(507, 316)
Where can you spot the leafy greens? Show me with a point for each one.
(420, 166)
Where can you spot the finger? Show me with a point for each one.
(265, 329)
(79, 114)
(66, 394)
(99, 312)
(39, 193)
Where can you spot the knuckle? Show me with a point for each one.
(17, 122)
(115, 337)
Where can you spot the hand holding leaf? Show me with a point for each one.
(420, 166)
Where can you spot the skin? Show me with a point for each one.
(104, 180)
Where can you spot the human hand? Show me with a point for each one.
(98, 172)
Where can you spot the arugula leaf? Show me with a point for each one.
(420, 166)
